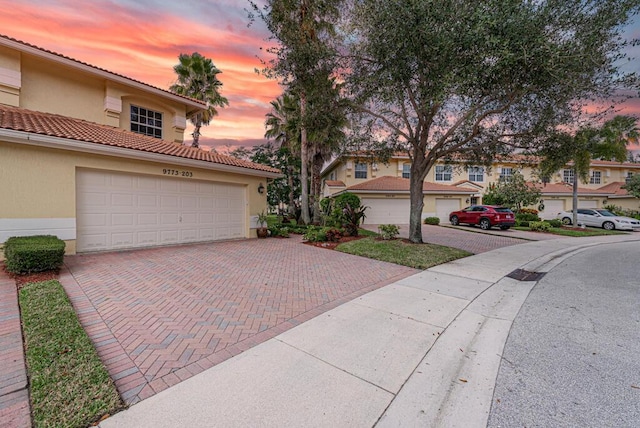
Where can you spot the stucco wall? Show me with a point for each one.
(39, 183)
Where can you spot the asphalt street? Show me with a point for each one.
(572, 358)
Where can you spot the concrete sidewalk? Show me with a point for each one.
(424, 351)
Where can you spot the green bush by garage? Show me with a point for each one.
(29, 254)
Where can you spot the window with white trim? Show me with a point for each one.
(406, 170)
(444, 172)
(146, 122)
(595, 177)
(333, 176)
(628, 178)
(476, 173)
(506, 174)
(567, 176)
(361, 170)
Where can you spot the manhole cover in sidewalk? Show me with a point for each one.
(525, 275)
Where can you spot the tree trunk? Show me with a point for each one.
(575, 198)
(316, 188)
(292, 202)
(417, 204)
(304, 169)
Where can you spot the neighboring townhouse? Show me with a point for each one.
(98, 159)
(449, 187)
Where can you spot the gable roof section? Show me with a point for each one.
(335, 183)
(615, 189)
(92, 136)
(388, 184)
(92, 69)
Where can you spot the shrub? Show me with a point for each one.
(528, 211)
(539, 226)
(521, 223)
(27, 254)
(351, 219)
(388, 231)
(315, 234)
(554, 223)
(527, 217)
(332, 234)
(279, 230)
(432, 220)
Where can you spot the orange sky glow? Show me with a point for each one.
(142, 40)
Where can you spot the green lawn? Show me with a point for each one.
(69, 385)
(590, 231)
(419, 256)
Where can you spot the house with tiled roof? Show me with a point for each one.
(98, 159)
(455, 185)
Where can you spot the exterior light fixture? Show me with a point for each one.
(261, 188)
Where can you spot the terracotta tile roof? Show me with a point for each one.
(566, 189)
(468, 182)
(19, 119)
(29, 45)
(397, 184)
(615, 188)
(335, 183)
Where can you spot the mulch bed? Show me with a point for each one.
(32, 277)
(333, 245)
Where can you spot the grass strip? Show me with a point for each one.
(69, 385)
(575, 232)
(419, 256)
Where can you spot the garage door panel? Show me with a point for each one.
(125, 219)
(386, 211)
(444, 206)
(117, 210)
(551, 209)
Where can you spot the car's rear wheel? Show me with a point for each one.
(504, 227)
(485, 224)
(566, 221)
(454, 220)
(608, 225)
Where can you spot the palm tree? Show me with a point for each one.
(198, 79)
(607, 143)
(282, 126)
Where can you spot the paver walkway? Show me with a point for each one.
(14, 395)
(159, 316)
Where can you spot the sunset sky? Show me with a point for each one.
(142, 39)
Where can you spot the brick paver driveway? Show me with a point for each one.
(161, 315)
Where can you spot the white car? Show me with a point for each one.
(600, 218)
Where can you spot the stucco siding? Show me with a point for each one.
(40, 183)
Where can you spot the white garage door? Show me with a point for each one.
(445, 206)
(116, 211)
(386, 211)
(587, 204)
(551, 208)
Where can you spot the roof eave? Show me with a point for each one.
(22, 137)
(195, 105)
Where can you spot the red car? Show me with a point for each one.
(486, 216)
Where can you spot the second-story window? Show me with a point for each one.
(595, 177)
(444, 172)
(361, 170)
(476, 173)
(406, 170)
(567, 176)
(628, 178)
(146, 122)
(506, 174)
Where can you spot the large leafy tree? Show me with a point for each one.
(633, 186)
(198, 79)
(304, 55)
(514, 193)
(576, 150)
(447, 78)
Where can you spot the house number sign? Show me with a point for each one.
(168, 171)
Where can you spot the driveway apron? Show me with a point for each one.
(159, 316)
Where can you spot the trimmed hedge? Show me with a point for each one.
(28, 254)
(432, 220)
